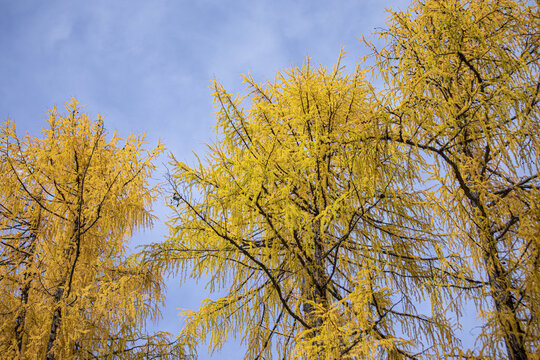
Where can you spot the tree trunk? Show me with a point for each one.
(21, 316)
(499, 284)
(28, 277)
(505, 306)
(314, 289)
(55, 325)
(66, 281)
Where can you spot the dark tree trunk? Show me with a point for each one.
(55, 325)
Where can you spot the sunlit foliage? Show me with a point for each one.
(462, 89)
(69, 201)
(312, 233)
(330, 215)
(331, 221)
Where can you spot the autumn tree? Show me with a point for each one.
(314, 236)
(462, 91)
(69, 202)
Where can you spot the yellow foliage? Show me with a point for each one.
(462, 81)
(70, 200)
(329, 214)
(310, 230)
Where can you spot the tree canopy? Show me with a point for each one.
(70, 200)
(463, 86)
(342, 222)
(337, 216)
(317, 236)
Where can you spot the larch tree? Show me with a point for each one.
(312, 235)
(69, 202)
(463, 91)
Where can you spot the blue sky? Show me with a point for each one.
(146, 67)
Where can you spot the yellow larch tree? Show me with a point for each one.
(312, 237)
(463, 91)
(69, 201)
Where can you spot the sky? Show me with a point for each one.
(146, 66)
